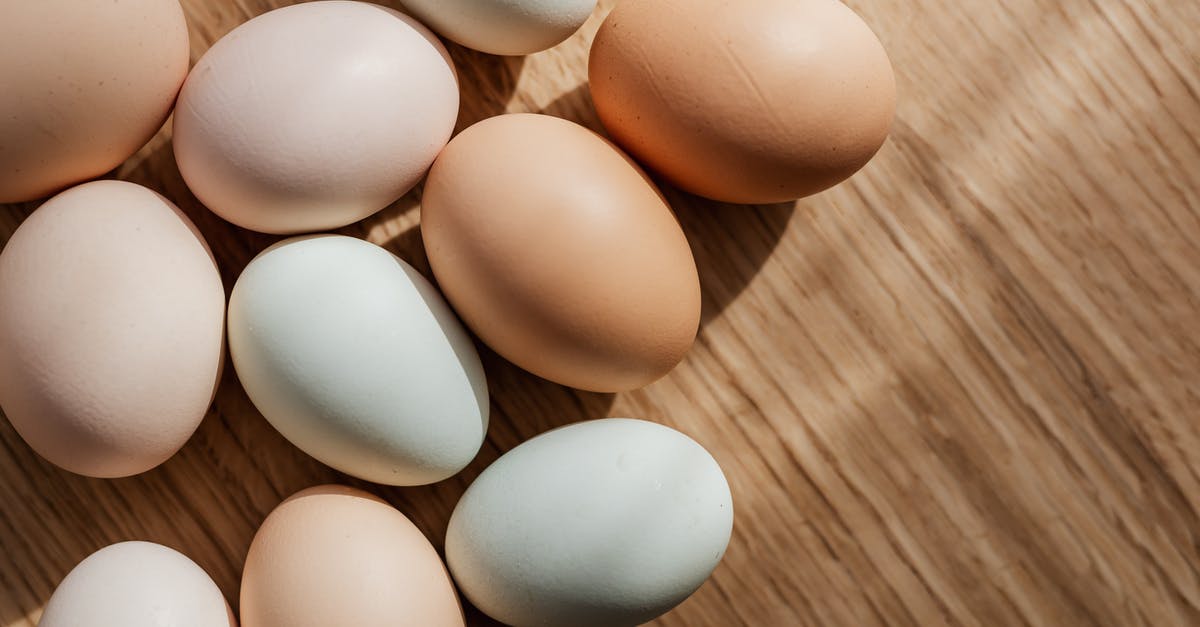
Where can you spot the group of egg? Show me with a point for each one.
(552, 245)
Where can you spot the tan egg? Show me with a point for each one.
(559, 252)
(333, 555)
(83, 85)
(112, 321)
(753, 101)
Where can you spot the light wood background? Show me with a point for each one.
(960, 389)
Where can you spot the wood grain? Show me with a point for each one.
(961, 389)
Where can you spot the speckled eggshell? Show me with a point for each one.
(747, 101)
(508, 27)
(607, 523)
(355, 358)
(83, 85)
(137, 584)
(111, 329)
(334, 555)
(560, 253)
(313, 116)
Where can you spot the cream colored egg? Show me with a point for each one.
(111, 329)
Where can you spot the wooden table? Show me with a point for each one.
(960, 389)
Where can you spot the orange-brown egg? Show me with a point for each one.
(751, 101)
(560, 254)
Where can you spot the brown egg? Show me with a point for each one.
(558, 251)
(753, 101)
(83, 85)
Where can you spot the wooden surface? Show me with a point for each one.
(961, 389)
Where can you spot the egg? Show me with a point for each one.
(355, 358)
(333, 555)
(83, 85)
(111, 329)
(609, 522)
(559, 252)
(755, 101)
(314, 116)
(508, 27)
(137, 584)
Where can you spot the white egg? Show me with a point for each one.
(315, 115)
(509, 27)
(608, 522)
(357, 360)
(137, 584)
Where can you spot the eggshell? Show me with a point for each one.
(111, 329)
(609, 522)
(353, 356)
(754, 101)
(83, 85)
(137, 584)
(560, 254)
(314, 116)
(510, 27)
(333, 555)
